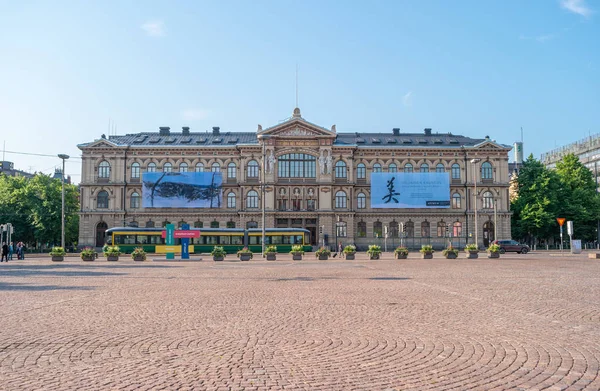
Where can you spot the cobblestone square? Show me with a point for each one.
(521, 322)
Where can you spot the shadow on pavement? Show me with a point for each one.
(389, 278)
(24, 287)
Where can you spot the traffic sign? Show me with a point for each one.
(561, 220)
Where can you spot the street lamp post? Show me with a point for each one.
(475, 161)
(62, 216)
(263, 137)
(495, 219)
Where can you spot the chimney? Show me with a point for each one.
(216, 130)
(164, 131)
(185, 130)
(396, 131)
(427, 131)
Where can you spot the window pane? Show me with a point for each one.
(455, 171)
(361, 171)
(135, 170)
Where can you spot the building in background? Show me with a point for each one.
(315, 178)
(8, 168)
(586, 149)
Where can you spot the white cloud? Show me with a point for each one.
(195, 114)
(539, 38)
(577, 7)
(154, 28)
(407, 99)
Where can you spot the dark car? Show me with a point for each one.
(512, 246)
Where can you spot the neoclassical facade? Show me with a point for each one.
(314, 178)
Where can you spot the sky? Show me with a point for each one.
(71, 71)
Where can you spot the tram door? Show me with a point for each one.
(313, 235)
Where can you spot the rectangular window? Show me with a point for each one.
(297, 204)
(310, 204)
(282, 204)
(135, 171)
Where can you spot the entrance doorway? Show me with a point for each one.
(100, 231)
(488, 233)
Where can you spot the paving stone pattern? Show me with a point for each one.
(523, 322)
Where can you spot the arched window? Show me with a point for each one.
(392, 167)
(104, 170)
(199, 167)
(135, 200)
(455, 171)
(252, 169)
(340, 199)
(457, 229)
(408, 167)
(151, 167)
(488, 200)
(167, 167)
(393, 232)
(361, 202)
(297, 165)
(164, 223)
(180, 224)
(251, 224)
(231, 200)
(440, 168)
(150, 224)
(424, 167)
(231, 169)
(230, 224)
(441, 229)
(377, 229)
(214, 224)
(361, 229)
(135, 170)
(455, 201)
(252, 199)
(409, 227)
(216, 167)
(361, 171)
(198, 224)
(486, 171)
(340, 169)
(376, 167)
(342, 229)
(183, 167)
(425, 229)
(102, 200)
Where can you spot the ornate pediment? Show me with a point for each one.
(296, 126)
(102, 143)
(489, 144)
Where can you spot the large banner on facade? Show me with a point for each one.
(410, 190)
(182, 189)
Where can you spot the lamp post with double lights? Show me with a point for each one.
(474, 162)
(62, 216)
(263, 138)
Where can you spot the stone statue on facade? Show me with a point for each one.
(322, 160)
(328, 163)
(270, 162)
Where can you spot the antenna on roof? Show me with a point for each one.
(521, 134)
(296, 84)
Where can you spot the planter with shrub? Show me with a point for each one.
(374, 251)
(401, 252)
(450, 252)
(472, 251)
(112, 253)
(323, 254)
(350, 252)
(244, 254)
(493, 251)
(218, 253)
(297, 252)
(58, 254)
(88, 254)
(138, 254)
(271, 253)
(426, 251)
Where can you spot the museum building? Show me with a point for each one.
(314, 178)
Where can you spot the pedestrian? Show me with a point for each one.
(10, 251)
(340, 248)
(22, 250)
(19, 248)
(4, 252)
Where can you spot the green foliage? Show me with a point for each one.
(374, 250)
(426, 248)
(33, 206)
(349, 249)
(297, 249)
(244, 251)
(138, 252)
(88, 252)
(58, 252)
(494, 248)
(471, 247)
(401, 250)
(450, 250)
(218, 251)
(111, 251)
(322, 251)
(271, 249)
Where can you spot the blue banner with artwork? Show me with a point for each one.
(410, 190)
(182, 189)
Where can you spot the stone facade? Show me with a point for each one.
(315, 178)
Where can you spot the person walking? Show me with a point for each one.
(4, 252)
(10, 251)
(340, 248)
(19, 250)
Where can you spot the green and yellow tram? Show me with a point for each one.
(232, 239)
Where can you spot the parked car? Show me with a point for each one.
(512, 245)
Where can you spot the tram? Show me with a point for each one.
(152, 240)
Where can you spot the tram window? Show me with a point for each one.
(142, 239)
(277, 239)
(224, 240)
(211, 239)
(237, 240)
(125, 239)
(155, 239)
(298, 239)
(256, 240)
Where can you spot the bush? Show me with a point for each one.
(401, 250)
(57, 252)
(111, 251)
(426, 248)
(322, 251)
(218, 251)
(349, 249)
(374, 250)
(297, 249)
(494, 248)
(471, 247)
(271, 249)
(244, 251)
(450, 250)
(138, 252)
(88, 252)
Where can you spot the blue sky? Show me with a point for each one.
(475, 68)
